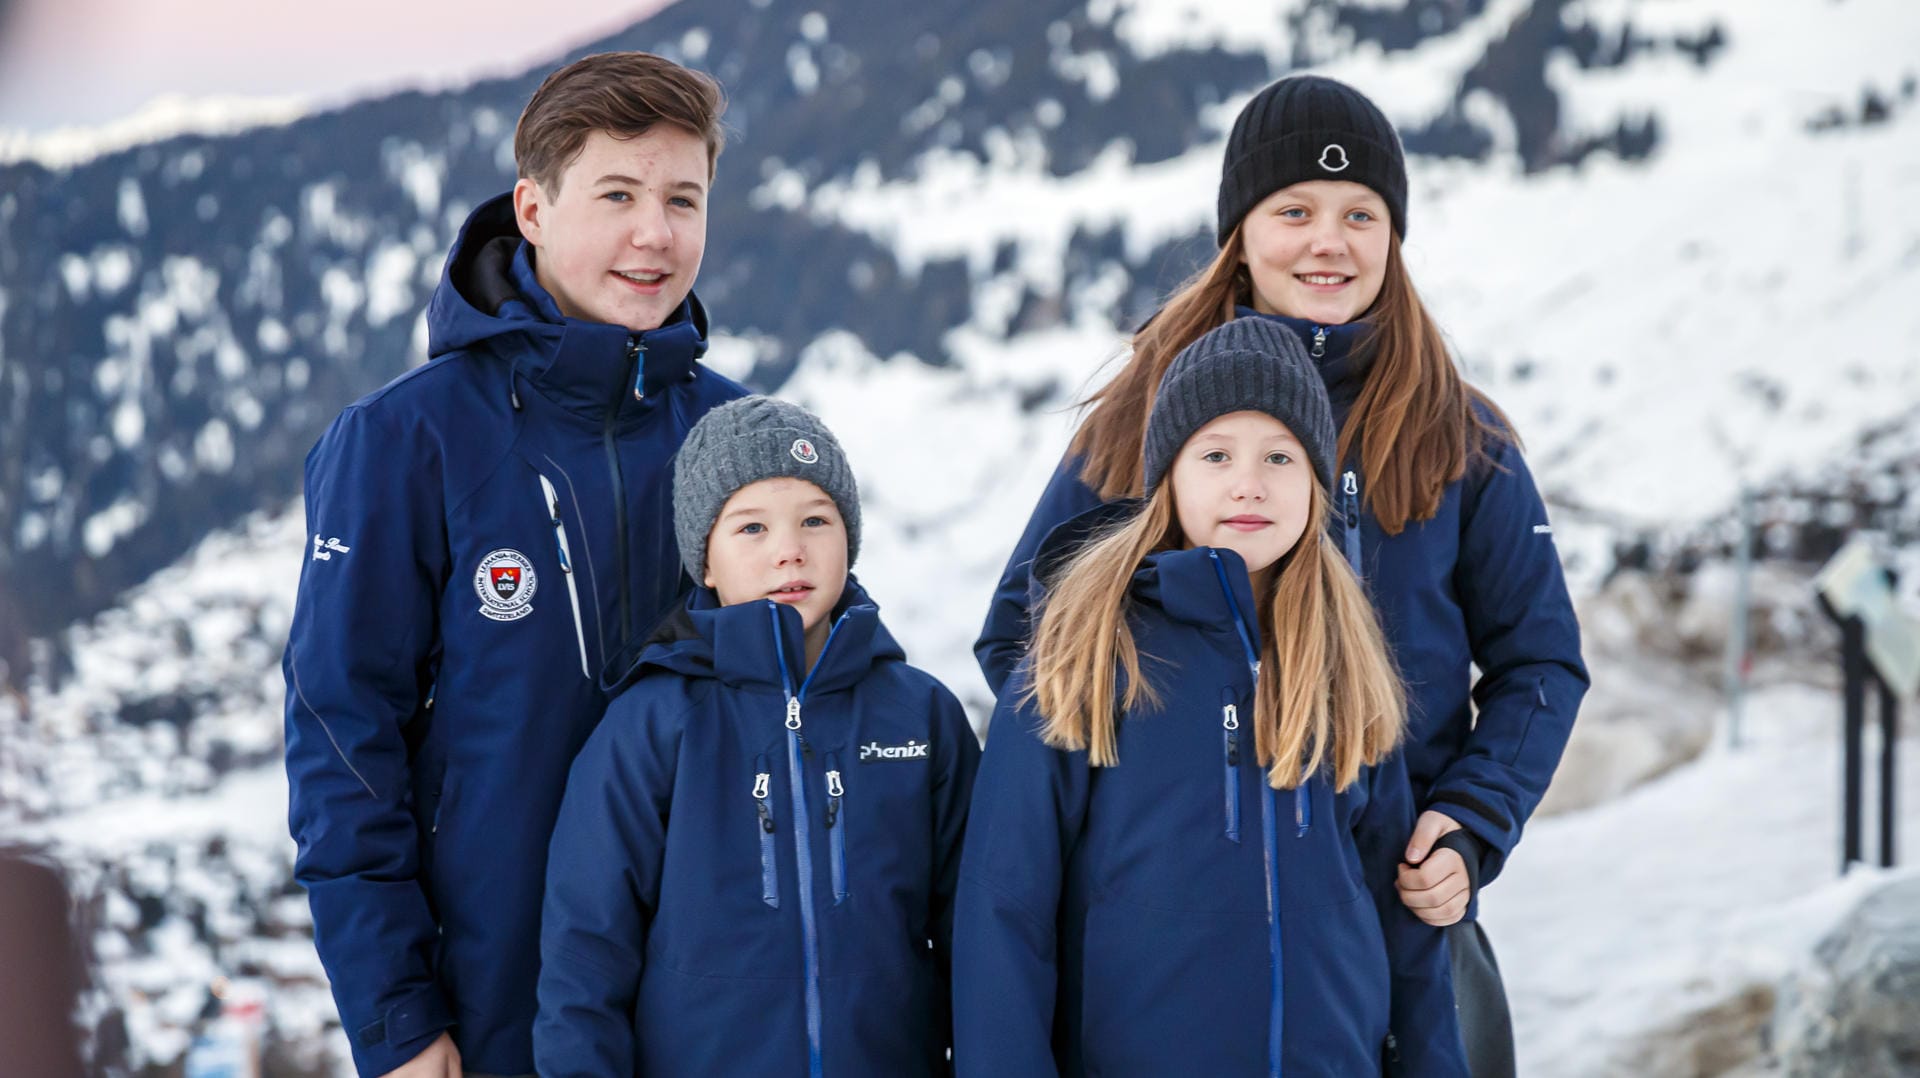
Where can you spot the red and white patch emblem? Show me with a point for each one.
(505, 584)
(804, 452)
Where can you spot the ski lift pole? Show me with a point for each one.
(1739, 643)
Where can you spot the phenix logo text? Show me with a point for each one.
(912, 750)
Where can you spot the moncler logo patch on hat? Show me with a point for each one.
(1334, 157)
(505, 583)
(804, 452)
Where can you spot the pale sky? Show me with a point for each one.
(67, 63)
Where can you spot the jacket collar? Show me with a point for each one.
(761, 644)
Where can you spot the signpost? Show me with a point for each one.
(1878, 642)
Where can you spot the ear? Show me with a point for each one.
(529, 208)
(706, 578)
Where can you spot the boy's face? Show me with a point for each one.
(779, 539)
(620, 236)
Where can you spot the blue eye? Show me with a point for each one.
(815, 522)
(752, 529)
(1215, 456)
(1294, 212)
(1360, 217)
(1277, 457)
(682, 201)
(617, 196)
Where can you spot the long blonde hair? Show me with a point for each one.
(1415, 424)
(1327, 696)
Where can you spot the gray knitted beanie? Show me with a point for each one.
(742, 442)
(1250, 364)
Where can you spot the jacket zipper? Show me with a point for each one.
(802, 848)
(1230, 743)
(1350, 505)
(836, 828)
(1319, 341)
(621, 554)
(566, 570)
(769, 868)
(1269, 849)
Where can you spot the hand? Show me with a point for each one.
(1436, 888)
(440, 1060)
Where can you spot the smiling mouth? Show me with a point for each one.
(643, 281)
(1323, 280)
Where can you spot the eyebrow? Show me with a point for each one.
(677, 185)
(754, 510)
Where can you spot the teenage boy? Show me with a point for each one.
(489, 532)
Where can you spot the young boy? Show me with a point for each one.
(490, 531)
(754, 867)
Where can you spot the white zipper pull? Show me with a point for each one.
(834, 789)
(1351, 485)
(1320, 340)
(793, 713)
(1231, 719)
(760, 783)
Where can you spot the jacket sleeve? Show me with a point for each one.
(358, 667)
(1003, 639)
(957, 764)
(1423, 1023)
(603, 886)
(1028, 807)
(1526, 643)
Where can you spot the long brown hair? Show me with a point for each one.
(1327, 694)
(1416, 425)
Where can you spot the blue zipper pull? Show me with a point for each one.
(637, 353)
(1350, 488)
(1302, 809)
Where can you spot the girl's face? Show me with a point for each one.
(779, 539)
(1242, 483)
(1317, 250)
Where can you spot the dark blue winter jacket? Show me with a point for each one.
(1478, 584)
(754, 866)
(1175, 914)
(489, 531)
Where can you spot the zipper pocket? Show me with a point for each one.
(566, 569)
(836, 829)
(769, 868)
(1230, 745)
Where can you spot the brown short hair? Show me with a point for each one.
(621, 93)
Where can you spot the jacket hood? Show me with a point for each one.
(762, 644)
(489, 297)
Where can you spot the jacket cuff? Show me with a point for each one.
(401, 1032)
(1487, 825)
(1471, 851)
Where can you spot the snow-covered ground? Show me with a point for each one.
(1619, 928)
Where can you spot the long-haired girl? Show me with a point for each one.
(1433, 504)
(1189, 819)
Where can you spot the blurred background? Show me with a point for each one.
(1677, 240)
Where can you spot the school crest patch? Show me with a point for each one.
(505, 583)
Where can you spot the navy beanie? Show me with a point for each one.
(1306, 127)
(1250, 364)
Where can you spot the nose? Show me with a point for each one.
(1329, 238)
(791, 551)
(1247, 485)
(650, 227)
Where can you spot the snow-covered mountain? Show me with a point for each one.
(1674, 238)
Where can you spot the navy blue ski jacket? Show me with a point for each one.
(754, 866)
(1175, 914)
(489, 531)
(1478, 584)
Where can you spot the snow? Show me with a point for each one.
(1614, 923)
(164, 117)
